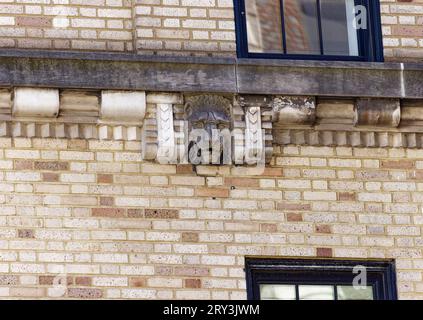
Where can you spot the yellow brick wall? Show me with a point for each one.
(402, 28)
(166, 27)
(89, 219)
(105, 25)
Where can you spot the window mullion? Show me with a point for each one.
(283, 26)
(319, 22)
(297, 292)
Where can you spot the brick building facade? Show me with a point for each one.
(92, 91)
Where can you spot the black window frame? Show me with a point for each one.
(370, 40)
(380, 274)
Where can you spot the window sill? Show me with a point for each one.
(207, 74)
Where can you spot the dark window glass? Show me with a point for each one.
(287, 279)
(338, 31)
(301, 27)
(264, 27)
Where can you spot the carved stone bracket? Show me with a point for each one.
(166, 151)
(258, 138)
(208, 129)
(158, 132)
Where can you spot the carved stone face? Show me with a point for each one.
(207, 113)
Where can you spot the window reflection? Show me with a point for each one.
(264, 26)
(314, 292)
(306, 29)
(339, 34)
(301, 27)
(352, 293)
(277, 292)
(310, 292)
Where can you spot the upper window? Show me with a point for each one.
(286, 279)
(309, 29)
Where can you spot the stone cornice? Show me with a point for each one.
(210, 75)
(261, 121)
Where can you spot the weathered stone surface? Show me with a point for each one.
(411, 110)
(36, 102)
(294, 110)
(117, 71)
(377, 112)
(335, 109)
(128, 106)
(186, 74)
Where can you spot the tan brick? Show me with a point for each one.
(137, 282)
(324, 228)
(26, 233)
(268, 227)
(86, 293)
(50, 177)
(324, 252)
(83, 281)
(24, 165)
(294, 217)
(106, 201)
(185, 169)
(34, 21)
(8, 280)
(54, 280)
(51, 165)
(104, 178)
(191, 271)
(108, 212)
(77, 144)
(242, 182)
(401, 164)
(347, 196)
(136, 213)
(27, 292)
(192, 283)
(293, 206)
(161, 214)
(190, 237)
(212, 192)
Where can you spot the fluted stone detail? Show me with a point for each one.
(158, 133)
(253, 135)
(166, 152)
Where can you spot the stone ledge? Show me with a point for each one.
(212, 75)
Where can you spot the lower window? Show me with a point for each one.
(287, 279)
